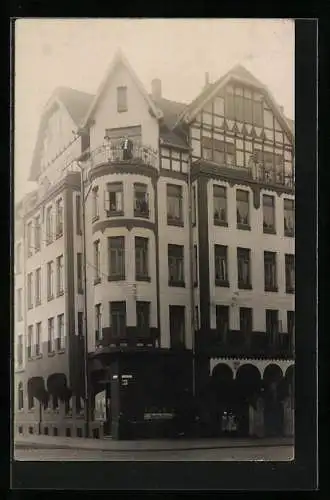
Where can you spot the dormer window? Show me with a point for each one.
(121, 99)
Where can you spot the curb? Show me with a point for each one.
(46, 446)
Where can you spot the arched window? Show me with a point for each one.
(20, 396)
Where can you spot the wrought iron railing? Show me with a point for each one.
(116, 152)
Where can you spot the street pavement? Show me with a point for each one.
(245, 453)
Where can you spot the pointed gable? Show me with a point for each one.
(119, 60)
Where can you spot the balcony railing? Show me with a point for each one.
(238, 343)
(275, 176)
(116, 153)
(129, 338)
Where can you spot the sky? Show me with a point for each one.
(77, 52)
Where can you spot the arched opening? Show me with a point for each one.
(20, 396)
(223, 400)
(36, 390)
(288, 401)
(248, 389)
(273, 397)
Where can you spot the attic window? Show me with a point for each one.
(121, 99)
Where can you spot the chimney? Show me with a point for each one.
(156, 89)
(207, 79)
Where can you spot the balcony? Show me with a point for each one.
(239, 344)
(132, 337)
(115, 153)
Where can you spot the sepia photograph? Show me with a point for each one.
(154, 240)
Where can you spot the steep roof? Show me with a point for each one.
(120, 59)
(171, 112)
(239, 73)
(75, 102)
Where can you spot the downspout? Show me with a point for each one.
(191, 252)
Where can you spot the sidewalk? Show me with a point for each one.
(108, 444)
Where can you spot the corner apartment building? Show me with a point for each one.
(189, 225)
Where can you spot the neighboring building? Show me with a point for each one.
(190, 249)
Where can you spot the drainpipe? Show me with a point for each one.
(191, 251)
(86, 373)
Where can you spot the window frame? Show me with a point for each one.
(177, 341)
(220, 256)
(271, 286)
(244, 254)
(50, 280)
(289, 283)
(119, 251)
(172, 220)
(142, 258)
(220, 221)
(267, 228)
(175, 256)
(118, 202)
(239, 224)
(115, 307)
(138, 212)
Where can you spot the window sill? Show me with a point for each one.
(269, 230)
(116, 278)
(80, 291)
(61, 351)
(36, 250)
(217, 222)
(38, 303)
(142, 215)
(58, 235)
(271, 289)
(95, 218)
(289, 234)
(111, 213)
(79, 232)
(244, 286)
(244, 227)
(122, 110)
(49, 242)
(29, 308)
(38, 356)
(143, 278)
(173, 222)
(51, 354)
(51, 297)
(60, 293)
(290, 290)
(180, 284)
(222, 283)
(97, 281)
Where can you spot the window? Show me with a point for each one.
(196, 318)
(61, 332)
(29, 239)
(291, 325)
(79, 273)
(219, 204)
(221, 266)
(268, 204)
(78, 214)
(51, 336)
(29, 291)
(244, 108)
(121, 99)
(49, 225)
(289, 217)
(20, 350)
(245, 319)
(242, 201)
(37, 234)
(38, 286)
(59, 217)
(38, 339)
(141, 258)
(97, 270)
(60, 276)
(270, 271)
(272, 324)
(174, 205)
(20, 396)
(50, 280)
(55, 404)
(243, 265)
(80, 323)
(222, 322)
(98, 323)
(177, 326)
(143, 318)
(175, 265)
(95, 203)
(193, 205)
(19, 258)
(218, 151)
(118, 319)
(116, 246)
(195, 266)
(114, 199)
(289, 273)
(141, 200)
(30, 341)
(19, 305)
